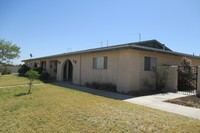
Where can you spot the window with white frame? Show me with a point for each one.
(149, 63)
(100, 62)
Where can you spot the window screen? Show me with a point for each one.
(149, 63)
(100, 62)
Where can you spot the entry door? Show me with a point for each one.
(68, 71)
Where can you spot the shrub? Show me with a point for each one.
(4, 70)
(101, 86)
(160, 75)
(32, 75)
(23, 69)
(186, 75)
(45, 77)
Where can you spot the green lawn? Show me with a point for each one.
(9, 80)
(56, 109)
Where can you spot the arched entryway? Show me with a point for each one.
(35, 64)
(68, 71)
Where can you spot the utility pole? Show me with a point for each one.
(69, 49)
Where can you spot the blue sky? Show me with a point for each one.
(47, 27)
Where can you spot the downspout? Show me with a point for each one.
(80, 69)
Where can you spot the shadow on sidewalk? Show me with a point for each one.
(108, 94)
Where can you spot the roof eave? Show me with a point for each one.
(118, 47)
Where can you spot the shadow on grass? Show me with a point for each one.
(21, 94)
(108, 94)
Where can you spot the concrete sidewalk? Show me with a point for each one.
(157, 102)
(13, 86)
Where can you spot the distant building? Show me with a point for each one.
(10, 67)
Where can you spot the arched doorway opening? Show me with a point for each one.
(68, 71)
(35, 65)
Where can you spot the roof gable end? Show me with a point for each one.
(153, 44)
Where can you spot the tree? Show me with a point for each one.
(160, 75)
(186, 75)
(8, 51)
(5, 70)
(32, 75)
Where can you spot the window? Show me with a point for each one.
(43, 64)
(149, 63)
(100, 62)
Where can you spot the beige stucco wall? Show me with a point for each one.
(129, 71)
(105, 75)
(172, 83)
(125, 68)
(122, 70)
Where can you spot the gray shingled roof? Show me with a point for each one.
(143, 46)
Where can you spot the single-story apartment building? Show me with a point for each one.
(125, 65)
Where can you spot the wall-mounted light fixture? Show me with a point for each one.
(74, 61)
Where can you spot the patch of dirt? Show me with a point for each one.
(191, 101)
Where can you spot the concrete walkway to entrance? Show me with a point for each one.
(13, 86)
(155, 101)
